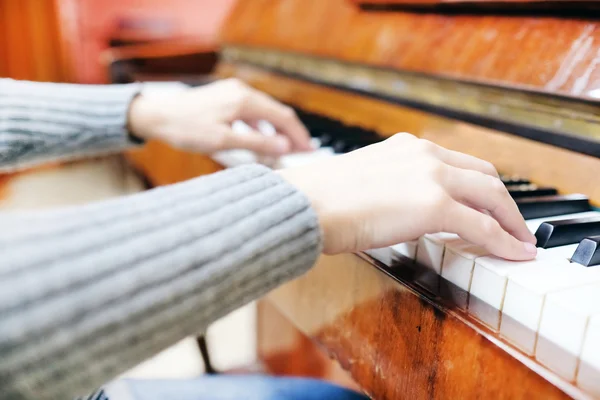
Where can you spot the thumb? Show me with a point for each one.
(255, 141)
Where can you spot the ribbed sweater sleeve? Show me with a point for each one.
(42, 122)
(88, 292)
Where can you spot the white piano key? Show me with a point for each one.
(558, 253)
(430, 249)
(457, 268)
(563, 327)
(408, 249)
(526, 293)
(266, 128)
(395, 253)
(235, 157)
(459, 260)
(488, 286)
(383, 255)
(315, 143)
(589, 362)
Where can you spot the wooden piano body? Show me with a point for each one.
(515, 86)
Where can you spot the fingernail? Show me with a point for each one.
(530, 248)
(282, 145)
(314, 144)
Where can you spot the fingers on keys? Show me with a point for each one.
(485, 231)
(484, 192)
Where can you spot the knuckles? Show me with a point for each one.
(288, 113)
(234, 83)
(401, 137)
(497, 186)
(425, 146)
(490, 167)
(434, 169)
(489, 227)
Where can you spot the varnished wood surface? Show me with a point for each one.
(472, 2)
(397, 344)
(394, 342)
(184, 57)
(548, 54)
(286, 351)
(568, 171)
(163, 165)
(31, 44)
(161, 49)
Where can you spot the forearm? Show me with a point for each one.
(48, 121)
(87, 293)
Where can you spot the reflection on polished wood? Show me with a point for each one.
(396, 343)
(286, 351)
(514, 51)
(554, 120)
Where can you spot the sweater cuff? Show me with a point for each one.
(55, 122)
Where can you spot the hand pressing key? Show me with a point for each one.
(404, 187)
(200, 120)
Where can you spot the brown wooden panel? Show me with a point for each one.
(561, 2)
(30, 41)
(515, 51)
(286, 351)
(396, 344)
(163, 165)
(3, 49)
(568, 171)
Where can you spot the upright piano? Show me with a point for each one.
(514, 82)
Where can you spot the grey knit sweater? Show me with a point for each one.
(88, 292)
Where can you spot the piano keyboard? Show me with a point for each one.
(548, 307)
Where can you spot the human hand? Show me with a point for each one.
(200, 120)
(399, 189)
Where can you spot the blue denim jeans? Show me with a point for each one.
(230, 387)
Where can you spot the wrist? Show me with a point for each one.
(301, 180)
(142, 118)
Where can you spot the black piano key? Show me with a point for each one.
(550, 206)
(353, 147)
(326, 139)
(566, 231)
(588, 252)
(530, 190)
(513, 180)
(341, 137)
(339, 146)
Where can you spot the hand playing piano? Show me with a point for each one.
(200, 120)
(404, 187)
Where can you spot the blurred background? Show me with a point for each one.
(67, 40)
(104, 41)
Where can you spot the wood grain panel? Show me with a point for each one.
(31, 41)
(163, 165)
(516, 51)
(396, 344)
(581, 3)
(286, 351)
